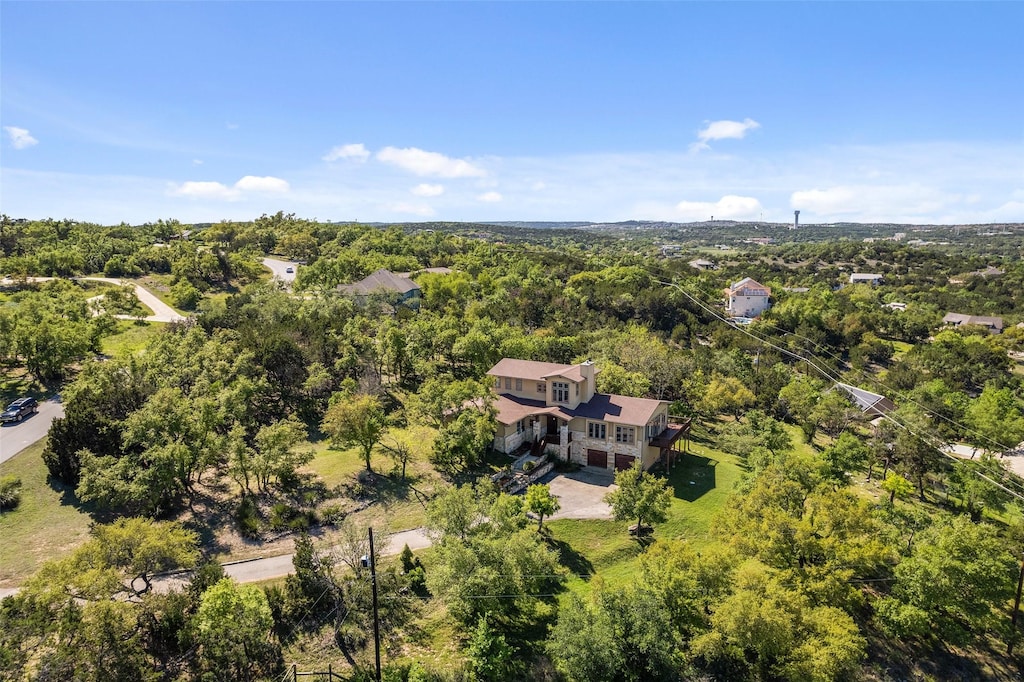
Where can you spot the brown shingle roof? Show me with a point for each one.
(619, 409)
(530, 369)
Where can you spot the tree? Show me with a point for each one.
(491, 658)
(401, 452)
(142, 547)
(845, 454)
(233, 625)
(896, 486)
(275, 454)
(617, 635)
(726, 395)
(778, 632)
(956, 583)
(454, 513)
(541, 502)
(996, 418)
(640, 496)
(356, 421)
(460, 443)
(582, 643)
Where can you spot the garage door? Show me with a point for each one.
(624, 461)
(597, 458)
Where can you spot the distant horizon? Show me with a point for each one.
(901, 112)
(565, 224)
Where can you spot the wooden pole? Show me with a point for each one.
(376, 620)
(1016, 609)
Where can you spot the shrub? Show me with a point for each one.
(286, 517)
(332, 514)
(528, 467)
(248, 518)
(10, 492)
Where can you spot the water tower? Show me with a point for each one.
(796, 219)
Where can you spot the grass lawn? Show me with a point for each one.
(397, 506)
(130, 337)
(159, 286)
(701, 481)
(44, 526)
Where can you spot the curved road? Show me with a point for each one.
(16, 437)
(161, 311)
(280, 269)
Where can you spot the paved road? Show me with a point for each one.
(161, 311)
(280, 269)
(16, 437)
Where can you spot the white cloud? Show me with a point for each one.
(217, 190)
(252, 183)
(204, 190)
(426, 190)
(232, 126)
(197, 162)
(20, 138)
(723, 130)
(872, 202)
(729, 207)
(426, 163)
(490, 197)
(356, 152)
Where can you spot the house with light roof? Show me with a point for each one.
(555, 408)
(747, 298)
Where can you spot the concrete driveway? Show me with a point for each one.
(581, 493)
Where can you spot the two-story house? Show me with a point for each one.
(747, 298)
(556, 408)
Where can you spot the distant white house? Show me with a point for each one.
(865, 278)
(747, 298)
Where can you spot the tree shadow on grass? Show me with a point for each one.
(577, 563)
(692, 476)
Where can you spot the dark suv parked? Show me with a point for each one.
(19, 409)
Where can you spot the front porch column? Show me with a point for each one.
(563, 441)
(536, 430)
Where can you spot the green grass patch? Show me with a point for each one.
(131, 337)
(47, 524)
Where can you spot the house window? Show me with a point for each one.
(519, 384)
(519, 427)
(624, 434)
(497, 382)
(597, 430)
(577, 390)
(541, 387)
(559, 392)
(508, 383)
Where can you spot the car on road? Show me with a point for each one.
(19, 409)
(289, 269)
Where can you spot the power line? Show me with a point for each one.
(835, 379)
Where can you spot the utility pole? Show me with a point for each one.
(376, 619)
(1016, 609)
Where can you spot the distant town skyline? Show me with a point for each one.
(384, 112)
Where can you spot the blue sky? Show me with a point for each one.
(395, 111)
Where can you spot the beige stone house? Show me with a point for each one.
(555, 408)
(747, 298)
